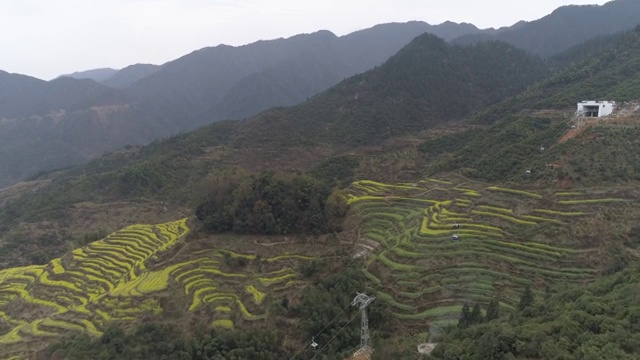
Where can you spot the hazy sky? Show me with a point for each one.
(46, 38)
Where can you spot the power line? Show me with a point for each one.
(320, 332)
(334, 336)
(554, 136)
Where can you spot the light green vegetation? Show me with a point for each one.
(590, 201)
(290, 256)
(112, 266)
(223, 323)
(572, 193)
(515, 191)
(505, 217)
(258, 296)
(422, 274)
(495, 208)
(113, 279)
(445, 182)
(560, 213)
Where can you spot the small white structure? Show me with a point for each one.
(596, 108)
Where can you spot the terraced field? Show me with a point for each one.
(503, 243)
(124, 277)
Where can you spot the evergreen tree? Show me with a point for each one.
(465, 317)
(476, 315)
(547, 293)
(526, 300)
(493, 310)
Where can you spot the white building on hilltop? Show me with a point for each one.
(596, 108)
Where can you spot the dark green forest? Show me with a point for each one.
(600, 321)
(426, 84)
(607, 73)
(270, 204)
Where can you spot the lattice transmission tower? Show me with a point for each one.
(362, 301)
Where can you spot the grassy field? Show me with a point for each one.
(503, 244)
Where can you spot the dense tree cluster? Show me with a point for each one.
(271, 204)
(597, 322)
(156, 341)
(469, 317)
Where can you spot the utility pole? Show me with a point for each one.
(362, 301)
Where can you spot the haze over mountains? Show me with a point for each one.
(440, 178)
(74, 120)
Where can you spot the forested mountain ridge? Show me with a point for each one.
(427, 83)
(565, 27)
(512, 143)
(211, 84)
(199, 88)
(304, 74)
(203, 87)
(609, 73)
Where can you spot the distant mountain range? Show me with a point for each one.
(96, 75)
(117, 79)
(23, 96)
(41, 132)
(48, 125)
(428, 83)
(565, 27)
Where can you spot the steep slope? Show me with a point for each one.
(285, 84)
(294, 80)
(188, 86)
(611, 73)
(543, 116)
(97, 75)
(427, 83)
(128, 75)
(206, 85)
(566, 26)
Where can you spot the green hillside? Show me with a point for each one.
(507, 238)
(608, 74)
(406, 94)
(542, 117)
(593, 322)
(145, 272)
(426, 84)
(268, 255)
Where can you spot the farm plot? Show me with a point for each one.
(114, 279)
(444, 244)
(63, 296)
